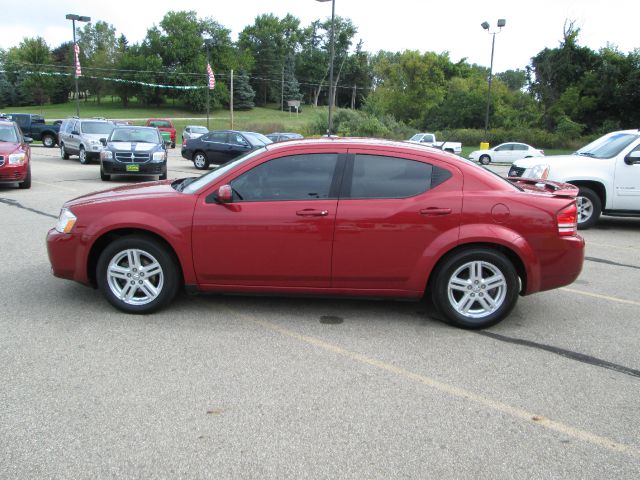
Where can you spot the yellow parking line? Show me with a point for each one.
(602, 297)
(55, 186)
(451, 390)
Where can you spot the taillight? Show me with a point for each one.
(568, 221)
(184, 141)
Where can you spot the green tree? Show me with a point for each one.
(243, 94)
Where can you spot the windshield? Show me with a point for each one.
(97, 127)
(416, 137)
(608, 146)
(213, 175)
(257, 139)
(144, 135)
(8, 134)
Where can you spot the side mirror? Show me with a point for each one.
(224, 194)
(27, 139)
(633, 158)
(167, 143)
(75, 132)
(103, 141)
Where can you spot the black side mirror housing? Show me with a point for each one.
(633, 158)
(103, 141)
(27, 139)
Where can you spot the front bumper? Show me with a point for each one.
(110, 167)
(13, 173)
(67, 255)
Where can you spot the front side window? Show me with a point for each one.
(505, 147)
(237, 139)
(376, 176)
(296, 177)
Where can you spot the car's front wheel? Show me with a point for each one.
(26, 183)
(475, 288)
(137, 274)
(589, 208)
(200, 161)
(104, 177)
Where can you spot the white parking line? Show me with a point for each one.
(452, 390)
(55, 186)
(608, 245)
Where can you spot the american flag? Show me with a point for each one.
(212, 77)
(77, 50)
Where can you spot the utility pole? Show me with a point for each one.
(231, 99)
(282, 91)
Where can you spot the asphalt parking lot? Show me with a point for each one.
(242, 387)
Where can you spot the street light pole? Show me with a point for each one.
(331, 86)
(73, 17)
(207, 43)
(501, 23)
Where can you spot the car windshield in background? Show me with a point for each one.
(608, 147)
(97, 128)
(199, 130)
(135, 135)
(257, 139)
(8, 134)
(416, 137)
(207, 178)
(160, 124)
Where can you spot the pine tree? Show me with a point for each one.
(291, 87)
(243, 94)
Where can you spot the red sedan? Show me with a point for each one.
(329, 217)
(15, 155)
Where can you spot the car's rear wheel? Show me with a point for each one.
(82, 155)
(137, 274)
(589, 208)
(200, 161)
(63, 152)
(26, 183)
(485, 160)
(48, 141)
(475, 288)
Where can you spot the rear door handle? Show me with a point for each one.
(310, 212)
(435, 211)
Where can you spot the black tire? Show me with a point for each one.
(163, 176)
(104, 177)
(166, 281)
(26, 183)
(82, 155)
(589, 208)
(200, 161)
(485, 160)
(173, 144)
(63, 152)
(48, 141)
(449, 301)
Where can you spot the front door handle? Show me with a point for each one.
(435, 211)
(311, 212)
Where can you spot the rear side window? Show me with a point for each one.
(296, 177)
(377, 176)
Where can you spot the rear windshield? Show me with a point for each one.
(160, 123)
(144, 135)
(96, 127)
(199, 130)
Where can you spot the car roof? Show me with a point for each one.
(6, 121)
(131, 127)
(356, 142)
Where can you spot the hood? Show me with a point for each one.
(550, 160)
(144, 190)
(95, 136)
(7, 148)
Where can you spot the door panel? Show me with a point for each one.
(626, 184)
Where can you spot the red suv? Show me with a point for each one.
(164, 125)
(329, 217)
(15, 155)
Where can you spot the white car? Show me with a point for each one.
(193, 131)
(505, 153)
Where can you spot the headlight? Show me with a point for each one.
(95, 142)
(66, 221)
(106, 155)
(540, 171)
(159, 156)
(16, 158)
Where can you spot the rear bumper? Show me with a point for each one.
(188, 154)
(561, 265)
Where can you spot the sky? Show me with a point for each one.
(452, 26)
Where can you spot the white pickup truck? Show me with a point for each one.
(607, 172)
(429, 139)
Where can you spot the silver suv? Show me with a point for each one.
(81, 136)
